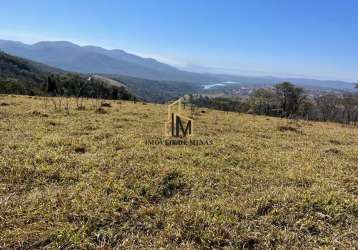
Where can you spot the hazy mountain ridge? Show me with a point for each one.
(23, 76)
(93, 59)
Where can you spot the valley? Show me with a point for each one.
(72, 57)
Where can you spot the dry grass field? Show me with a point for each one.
(86, 179)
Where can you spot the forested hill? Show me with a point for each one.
(22, 76)
(156, 91)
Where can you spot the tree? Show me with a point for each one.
(350, 106)
(263, 101)
(115, 93)
(8, 85)
(306, 109)
(290, 98)
(328, 106)
(51, 85)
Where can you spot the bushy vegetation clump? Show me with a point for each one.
(287, 100)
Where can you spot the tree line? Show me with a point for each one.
(68, 84)
(71, 84)
(289, 101)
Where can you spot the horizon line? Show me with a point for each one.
(186, 66)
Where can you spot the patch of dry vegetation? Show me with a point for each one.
(81, 178)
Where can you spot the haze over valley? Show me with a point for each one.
(93, 59)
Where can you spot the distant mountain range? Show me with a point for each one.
(96, 60)
(23, 76)
(90, 59)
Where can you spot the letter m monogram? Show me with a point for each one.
(180, 126)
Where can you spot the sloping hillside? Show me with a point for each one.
(14, 66)
(89, 180)
(21, 76)
(109, 80)
(156, 91)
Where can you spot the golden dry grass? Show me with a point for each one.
(86, 179)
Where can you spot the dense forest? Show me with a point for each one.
(290, 101)
(20, 76)
(157, 91)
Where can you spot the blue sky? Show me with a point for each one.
(275, 37)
